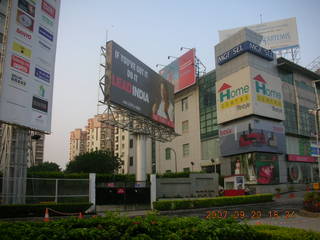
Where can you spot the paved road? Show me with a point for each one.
(284, 211)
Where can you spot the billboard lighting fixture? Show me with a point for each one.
(181, 48)
(160, 65)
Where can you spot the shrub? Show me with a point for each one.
(312, 201)
(210, 202)
(149, 227)
(38, 210)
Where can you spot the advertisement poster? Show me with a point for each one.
(28, 77)
(182, 71)
(252, 135)
(234, 96)
(138, 88)
(249, 91)
(277, 35)
(267, 168)
(257, 168)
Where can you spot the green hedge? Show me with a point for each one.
(210, 202)
(149, 227)
(275, 232)
(38, 210)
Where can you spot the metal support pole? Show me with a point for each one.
(317, 141)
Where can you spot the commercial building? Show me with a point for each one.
(96, 136)
(270, 141)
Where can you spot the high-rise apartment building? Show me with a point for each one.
(78, 143)
(99, 134)
(96, 136)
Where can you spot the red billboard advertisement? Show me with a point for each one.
(181, 72)
(138, 88)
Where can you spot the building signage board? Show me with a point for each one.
(138, 88)
(28, 71)
(298, 158)
(277, 35)
(252, 135)
(249, 91)
(181, 72)
(243, 48)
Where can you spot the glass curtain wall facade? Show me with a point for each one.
(208, 109)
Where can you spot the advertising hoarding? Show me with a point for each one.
(138, 88)
(277, 35)
(249, 91)
(246, 46)
(28, 72)
(252, 135)
(257, 168)
(181, 72)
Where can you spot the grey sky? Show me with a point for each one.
(150, 30)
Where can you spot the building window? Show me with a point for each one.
(168, 153)
(122, 145)
(131, 161)
(185, 149)
(131, 143)
(184, 104)
(117, 146)
(117, 139)
(185, 126)
(168, 171)
(1, 38)
(122, 137)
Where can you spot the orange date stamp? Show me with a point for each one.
(252, 214)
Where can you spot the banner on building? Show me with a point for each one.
(182, 71)
(249, 91)
(28, 76)
(277, 35)
(257, 168)
(252, 135)
(138, 88)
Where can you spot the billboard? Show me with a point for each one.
(249, 91)
(138, 88)
(252, 135)
(28, 70)
(244, 47)
(257, 168)
(277, 35)
(181, 72)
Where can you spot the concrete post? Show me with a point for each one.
(141, 168)
(92, 192)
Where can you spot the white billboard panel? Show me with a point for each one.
(28, 73)
(277, 35)
(234, 96)
(249, 91)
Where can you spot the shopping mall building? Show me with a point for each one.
(251, 116)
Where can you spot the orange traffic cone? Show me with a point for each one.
(80, 215)
(46, 215)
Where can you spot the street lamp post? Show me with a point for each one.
(213, 165)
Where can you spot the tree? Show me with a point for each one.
(45, 167)
(94, 162)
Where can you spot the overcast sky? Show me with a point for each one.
(150, 30)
